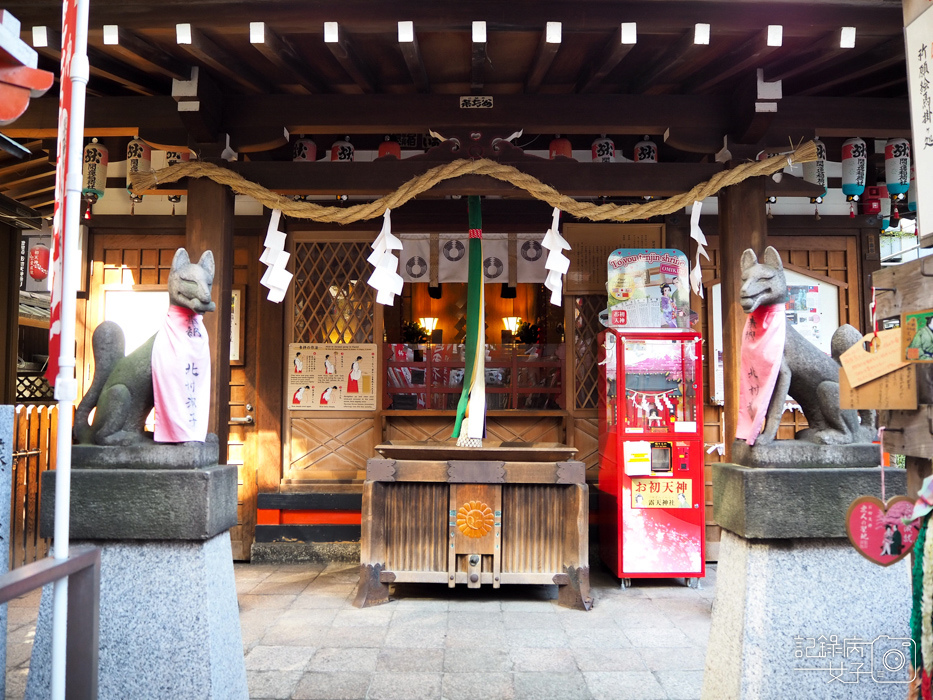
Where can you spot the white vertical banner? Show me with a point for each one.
(495, 258)
(531, 258)
(415, 257)
(919, 35)
(452, 259)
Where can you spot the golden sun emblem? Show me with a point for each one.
(475, 519)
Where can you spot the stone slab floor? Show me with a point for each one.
(304, 640)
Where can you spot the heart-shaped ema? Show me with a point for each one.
(876, 530)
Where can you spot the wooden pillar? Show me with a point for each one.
(209, 226)
(742, 224)
(10, 238)
(270, 371)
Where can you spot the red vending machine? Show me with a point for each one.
(651, 473)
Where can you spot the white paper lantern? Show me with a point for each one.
(815, 171)
(604, 150)
(646, 151)
(342, 151)
(897, 166)
(138, 160)
(854, 167)
(304, 149)
(176, 157)
(96, 158)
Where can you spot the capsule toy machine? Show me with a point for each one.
(651, 466)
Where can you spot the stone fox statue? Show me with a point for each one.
(122, 389)
(805, 373)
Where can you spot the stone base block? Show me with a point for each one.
(147, 455)
(795, 618)
(145, 504)
(302, 552)
(169, 624)
(785, 503)
(800, 454)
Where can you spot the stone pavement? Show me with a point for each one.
(304, 640)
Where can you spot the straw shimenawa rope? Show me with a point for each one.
(143, 182)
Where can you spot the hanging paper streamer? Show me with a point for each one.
(385, 278)
(696, 233)
(557, 263)
(470, 424)
(276, 278)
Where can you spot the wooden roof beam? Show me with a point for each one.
(683, 50)
(342, 49)
(200, 47)
(103, 66)
(610, 56)
(281, 54)
(478, 58)
(548, 46)
(408, 44)
(885, 55)
(748, 56)
(134, 48)
(819, 54)
(200, 106)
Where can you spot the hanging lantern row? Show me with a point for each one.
(603, 150)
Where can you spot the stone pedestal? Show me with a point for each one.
(169, 620)
(798, 611)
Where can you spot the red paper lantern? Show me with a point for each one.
(390, 148)
(560, 147)
(39, 262)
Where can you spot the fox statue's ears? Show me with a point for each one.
(181, 259)
(771, 258)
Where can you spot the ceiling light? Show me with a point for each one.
(406, 32)
(552, 33)
(775, 35)
(479, 32)
(257, 32)
(701, 34)
(111, 35)
(330, 33)
(182, 33)
(40, 37)
(847, 38)
(629, 34)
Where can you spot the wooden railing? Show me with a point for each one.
(34, 433)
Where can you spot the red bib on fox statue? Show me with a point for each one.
(762, 353)
(181, 377)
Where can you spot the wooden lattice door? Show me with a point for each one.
(332, 304)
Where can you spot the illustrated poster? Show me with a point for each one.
(324, 377)
(648, 288)
(662, 493)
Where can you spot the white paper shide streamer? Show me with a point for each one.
(696, 275)
(276, 278)
(557, 263)
(385, 278)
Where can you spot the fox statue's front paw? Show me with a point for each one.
(831, 437)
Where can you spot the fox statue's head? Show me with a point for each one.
(763, 283)
(189, 284)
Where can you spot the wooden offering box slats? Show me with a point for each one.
(503, 513)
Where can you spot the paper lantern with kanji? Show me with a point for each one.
(604, 150)
(815, 171)
(390, 148)
(342, 151)
(304, 150)
(96, 158)
(138, 160)
(912, 192)
(854, 167)
(897, 166)
(560, 147)
(646, 151)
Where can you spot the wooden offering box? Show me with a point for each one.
(509, 512)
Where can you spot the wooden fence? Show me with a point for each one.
(34, 433)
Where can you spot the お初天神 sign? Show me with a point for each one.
(328, 377)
